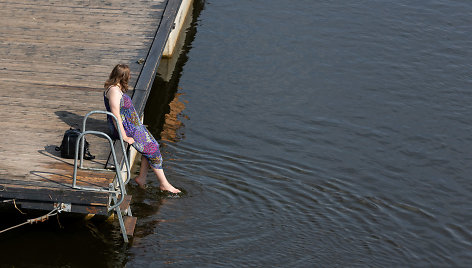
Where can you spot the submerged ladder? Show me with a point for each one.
(116, 189)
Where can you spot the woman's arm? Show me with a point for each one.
(114, 97)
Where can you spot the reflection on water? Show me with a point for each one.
(172, 124)
(164, 111)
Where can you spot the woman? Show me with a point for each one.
(131, 128)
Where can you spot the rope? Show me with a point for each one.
(43, 218)
(14, 203)
(13, 227)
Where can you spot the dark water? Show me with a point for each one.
(307, 134)
(321, 133)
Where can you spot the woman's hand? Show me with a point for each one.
(129, 140)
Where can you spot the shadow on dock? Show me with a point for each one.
(75, 120)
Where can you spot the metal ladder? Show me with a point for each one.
(117, 189)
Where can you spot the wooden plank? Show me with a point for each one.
(130, 224)
(126, 202)
(75, 208)
(49, 194)
(74, 21)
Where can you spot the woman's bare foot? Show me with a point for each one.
(168, 187)
(141, 178)
(141, 181)
(164, 183)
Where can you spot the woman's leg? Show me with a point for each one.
(164, 184)
(141, 178)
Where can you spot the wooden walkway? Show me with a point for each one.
(54, 58)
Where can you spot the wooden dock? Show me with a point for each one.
(54, 58)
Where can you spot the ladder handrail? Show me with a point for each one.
(118, 171)
(128, 171)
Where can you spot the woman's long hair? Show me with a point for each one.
(120, 75)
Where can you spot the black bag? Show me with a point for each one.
(68, 144)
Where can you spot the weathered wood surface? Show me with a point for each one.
(54, 59)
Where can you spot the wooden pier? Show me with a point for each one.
(54, 58)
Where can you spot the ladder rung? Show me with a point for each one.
(130, 223)
(126, 202)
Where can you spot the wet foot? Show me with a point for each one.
(169, 188)
(141, 181)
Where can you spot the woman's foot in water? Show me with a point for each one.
(169, 188)
(164, 183)
(141, 181)
(143, 170)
